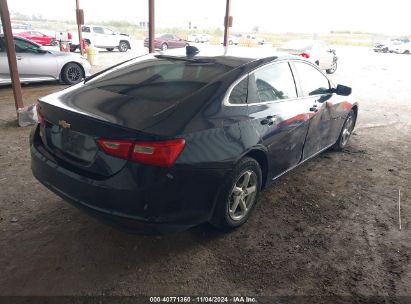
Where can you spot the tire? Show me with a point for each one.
(348, 126)
(229, 213)
(164, 46)
(72, 73)
(110, 49)
(230, 42)
(197, 41)
(333, 68)
(123, 46)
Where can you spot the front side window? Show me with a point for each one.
(108, 32)
(23, 46)
(98, 30)
(239, 93)
(312, 81)
(274, 82)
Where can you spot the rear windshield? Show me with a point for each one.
(159, 79)
(298, 45)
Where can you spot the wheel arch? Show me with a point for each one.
(355, 109)
(261, 157)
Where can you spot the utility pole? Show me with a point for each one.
(227, 21)
(79, 19)
(11, 54)
(151, 26)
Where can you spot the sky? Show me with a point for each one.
(308, 16)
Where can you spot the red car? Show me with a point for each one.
(167, 41)
(38, 37)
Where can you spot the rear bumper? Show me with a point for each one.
(140, 198)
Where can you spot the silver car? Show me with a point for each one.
(37, 64)
(316, 51)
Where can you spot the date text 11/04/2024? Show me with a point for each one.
(205, 299)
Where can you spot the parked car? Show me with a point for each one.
(167, 141)
(101, 37)
(36, 64)
(316, 51)
(381, 47)
(167, 41)
(232, 40)
(404, 48)
(257, 40)
(197, 38)
(38, 37)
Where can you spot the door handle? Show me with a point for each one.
(269, 120)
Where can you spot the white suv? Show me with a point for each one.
(101, 37)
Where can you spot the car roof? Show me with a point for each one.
(231, 56)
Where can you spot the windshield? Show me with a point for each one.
(162, 79)
(298, 45)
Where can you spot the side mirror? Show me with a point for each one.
(343, 90)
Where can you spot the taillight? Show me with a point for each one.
(69, 36)
(40, 116)
(305, 55)
(158, 153)
(163, 153)
(118, 148)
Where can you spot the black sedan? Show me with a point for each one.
(168, 141)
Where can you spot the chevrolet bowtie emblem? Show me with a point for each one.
(64, 124)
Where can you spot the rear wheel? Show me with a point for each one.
(346, 132)
(164, 46)
(72, 73)
(110, 49)
(333, 68)
(123, 46)
(238, 195)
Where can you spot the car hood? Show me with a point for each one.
(71, 56)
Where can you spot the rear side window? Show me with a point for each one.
(312, 81)
(239, 93)
(85, 29)
(160, 80)
(274, 82)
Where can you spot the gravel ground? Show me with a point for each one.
(330, 227)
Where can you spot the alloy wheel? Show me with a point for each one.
(333, 67)
(123, 47)
(243, 195)
(74, 74)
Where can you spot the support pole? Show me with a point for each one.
(151, 26)
(11, 54)
(80, 35)
(226, 22)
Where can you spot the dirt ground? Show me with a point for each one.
(330, 227)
